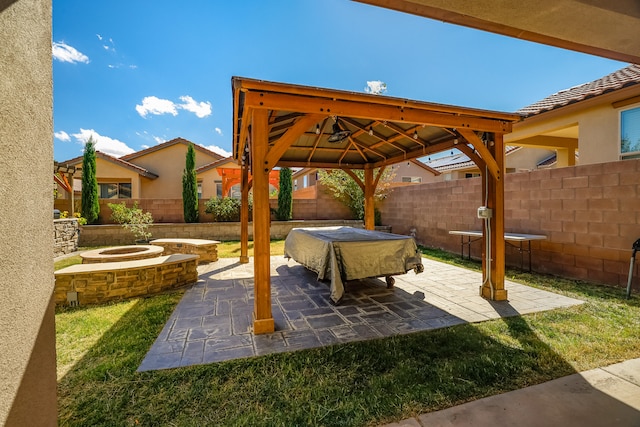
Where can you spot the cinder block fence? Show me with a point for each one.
(590, 215)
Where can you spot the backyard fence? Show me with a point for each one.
(590, 215)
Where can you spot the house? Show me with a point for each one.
(153, 177)
(518, 159)
(599, 119)
(155, 172)
(406, 173)
(595, 122)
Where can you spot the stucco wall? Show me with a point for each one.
(598, 123)
(108, 172)
(598, 138)
(169, 164)
(27, 322)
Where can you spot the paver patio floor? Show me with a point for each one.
(212, 322)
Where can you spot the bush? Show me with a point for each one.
(133, 219)
(225, 209)
(77, 215)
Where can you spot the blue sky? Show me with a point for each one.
(137, 73)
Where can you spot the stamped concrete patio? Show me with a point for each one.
(212, 322)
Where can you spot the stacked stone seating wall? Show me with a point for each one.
(112, 284)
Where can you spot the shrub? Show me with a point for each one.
(77, 215)
(225, 209)
(133, 219)
(347, 191)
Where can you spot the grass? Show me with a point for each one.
(356, 384)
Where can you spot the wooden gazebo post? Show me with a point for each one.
(496, 203)
(492, 159)
(369, 191)
(262, 318)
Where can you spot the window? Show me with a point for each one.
(471, 175)
(414, 179)
(218, 189)
(199, 190)
(115, 190)
(630, 133)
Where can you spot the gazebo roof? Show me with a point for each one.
(382, 130)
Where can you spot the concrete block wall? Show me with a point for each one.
(171, 210)
(590, 215)
(112, 235)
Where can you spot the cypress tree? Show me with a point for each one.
(285, 196)
(190, 187)
(90, 203)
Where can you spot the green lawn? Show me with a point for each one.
(357, 384)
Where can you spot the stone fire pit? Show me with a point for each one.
(121, 253)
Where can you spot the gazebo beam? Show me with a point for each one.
(486, 155)
(381, 112)
(284, 142)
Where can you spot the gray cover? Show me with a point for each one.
(346, 253)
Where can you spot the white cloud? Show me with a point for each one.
(218, 150)
(104, 144)
(62, 136)
(376, 87)
(218, 131)
(99, 37)
(65, 53)
(159, 140)
(144, 146)
(200, 109)
(156, 106)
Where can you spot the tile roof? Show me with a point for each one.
(551, 160)
(174, 141)
(142, 171)
(624, 77)
(215, 164)
(459, 161)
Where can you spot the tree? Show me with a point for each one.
(190, 187)
(346, 190)
(90, 203)
(285, 196)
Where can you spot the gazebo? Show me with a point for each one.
(278, 124)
